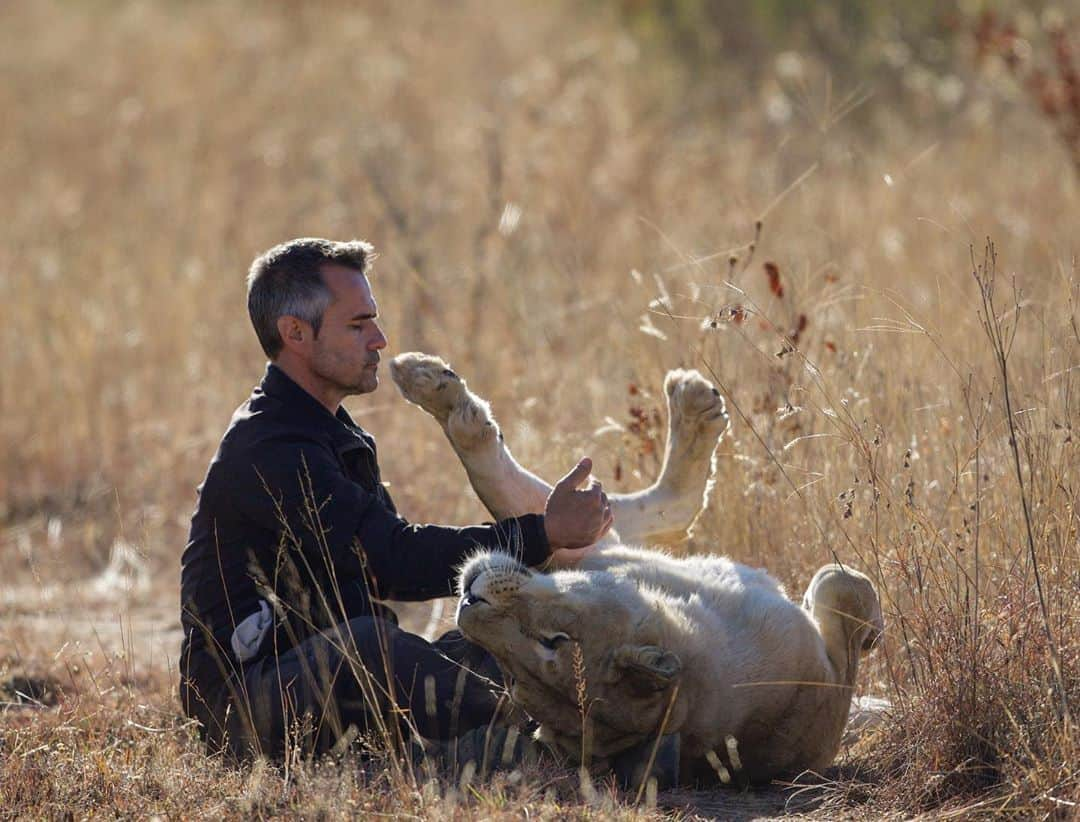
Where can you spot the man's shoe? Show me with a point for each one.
(490, 749)
(635, 766)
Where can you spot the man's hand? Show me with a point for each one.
(575, 519)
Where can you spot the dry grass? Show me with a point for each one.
(555, 210)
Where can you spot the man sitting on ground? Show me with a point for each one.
(295, 541)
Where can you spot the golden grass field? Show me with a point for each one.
(564, 213)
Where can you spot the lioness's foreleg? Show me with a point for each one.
(662, 512)
(666, 510)
(503, 485)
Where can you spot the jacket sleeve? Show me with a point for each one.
(298, 489)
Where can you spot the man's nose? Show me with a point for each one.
(379, 341)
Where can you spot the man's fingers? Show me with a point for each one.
(606, 521)
(578, 474)
(578, 513)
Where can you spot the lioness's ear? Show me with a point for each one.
(647, 667)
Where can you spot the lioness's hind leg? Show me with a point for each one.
(847, 609)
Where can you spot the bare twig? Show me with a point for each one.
(1001, 340)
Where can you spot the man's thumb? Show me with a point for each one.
(578, 474)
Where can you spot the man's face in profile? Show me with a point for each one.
(346, 351)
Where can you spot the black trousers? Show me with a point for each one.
(362, 677)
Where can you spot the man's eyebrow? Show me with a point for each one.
(371, 315)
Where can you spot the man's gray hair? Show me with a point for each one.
(287, 281)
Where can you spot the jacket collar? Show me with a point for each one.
(312, 414)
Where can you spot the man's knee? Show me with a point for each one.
(370, 640)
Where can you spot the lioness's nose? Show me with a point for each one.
(469, 598)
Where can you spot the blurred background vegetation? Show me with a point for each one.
(846, 34)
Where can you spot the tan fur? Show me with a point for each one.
(714, 646)
(716, 641)
(662, 513)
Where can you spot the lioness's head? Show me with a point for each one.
(570, 635)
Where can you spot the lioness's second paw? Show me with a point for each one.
(694, 403)
(428, 382)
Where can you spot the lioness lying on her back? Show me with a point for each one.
(701, 646)
(634, 643)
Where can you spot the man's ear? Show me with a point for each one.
(292, 330)
(647, 667)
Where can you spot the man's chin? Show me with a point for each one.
(366, 384)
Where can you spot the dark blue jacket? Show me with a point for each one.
(293, 509)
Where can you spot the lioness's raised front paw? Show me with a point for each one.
(428, 382)
(694, 404)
